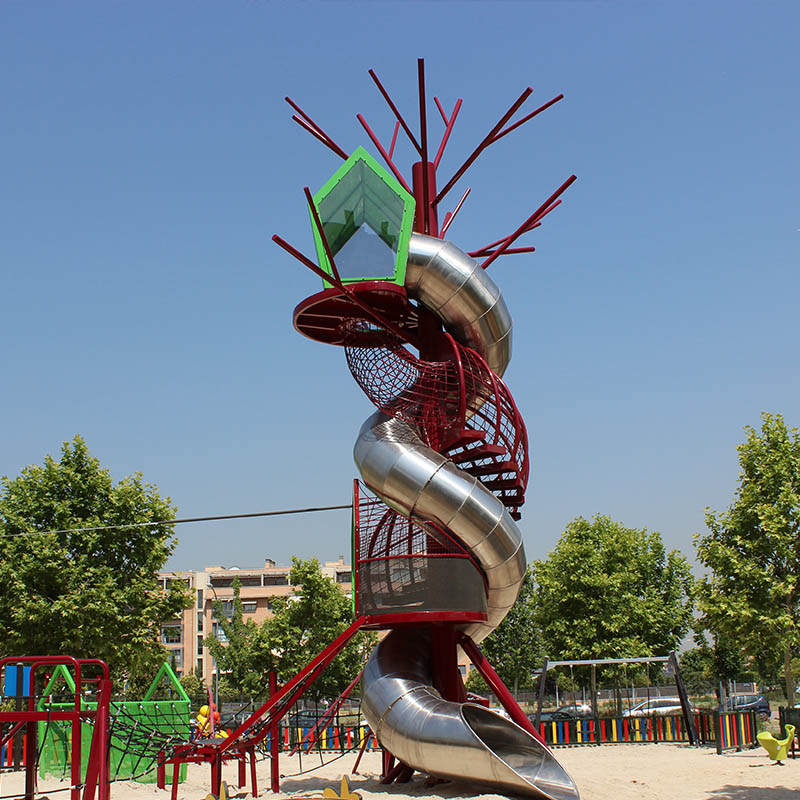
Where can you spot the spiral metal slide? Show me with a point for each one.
(462, 741)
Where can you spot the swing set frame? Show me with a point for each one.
(671, 659)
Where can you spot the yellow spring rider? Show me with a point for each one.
(777, 749)
(204, 723)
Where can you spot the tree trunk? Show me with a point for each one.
(787, 674)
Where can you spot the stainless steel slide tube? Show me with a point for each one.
(461, 741)
(409, 716)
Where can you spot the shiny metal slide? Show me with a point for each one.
(462, 741)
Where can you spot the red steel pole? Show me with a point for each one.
(275, 775)
(497, 686)
(423, 179)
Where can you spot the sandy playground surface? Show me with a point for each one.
(610, 772)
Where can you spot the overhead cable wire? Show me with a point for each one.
(179, 521)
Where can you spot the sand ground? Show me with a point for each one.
(610, 772)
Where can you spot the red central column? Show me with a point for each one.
(444, 657)
(423, 181)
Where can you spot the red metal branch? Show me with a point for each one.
(312, 126)
(303, 114)
(527, 117)
(489, 138)
(394, 139)
(423, 136)
(316, 134)
(544, 214)
(397, 114)
(535, 217)
(450, 217)
(447, 132)
(508, 252)
(489, 247)
(366, 308)
(318, 222)
(386, 157)
(441, 110)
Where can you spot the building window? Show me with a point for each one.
(275, 580)
(199, 623)
(177, 659)
(199, 599)
(249, 607)
(227, 608)
(462, 668)
(171, 634)
(343, 577)
(199, 645)
(199, 668)
(219, 633)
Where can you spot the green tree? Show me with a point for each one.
(476, 684)
(195, 688)
(514, 648)
(304, 624)
(752, 550)
(697, 668)
(608, 591)
(85, 593)
(234, 651)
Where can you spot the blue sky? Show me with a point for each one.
(147, 158)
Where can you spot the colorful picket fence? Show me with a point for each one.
(332, 737)
(726, 731)
(735, 730)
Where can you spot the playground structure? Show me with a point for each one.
(138, 730)
(671, 660)
(777, 749)
(438, 557)
(444, 464)
(94, 778)
(65, 725)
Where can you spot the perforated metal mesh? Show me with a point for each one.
(403, 565)
(458, 406)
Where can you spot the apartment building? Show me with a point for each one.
(184, 637)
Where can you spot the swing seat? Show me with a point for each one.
(777, 749)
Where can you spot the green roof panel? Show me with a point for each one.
(367, 217)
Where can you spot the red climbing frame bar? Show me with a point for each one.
(294, 688)
(275, 775)
(97, 766)
(497, 686)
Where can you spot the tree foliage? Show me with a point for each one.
(194, 687)
(476, 684)
(752, 551)
(306, 623)
(303, 625)
(85, 593)
(608, 591)
(707, 665)
(234, 651)
(514, 648)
